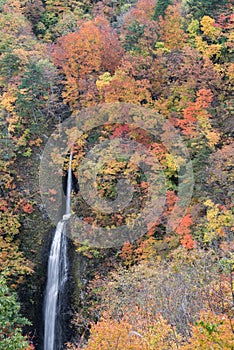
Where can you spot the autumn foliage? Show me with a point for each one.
(83, 56)
(168, 289)
(142, 334)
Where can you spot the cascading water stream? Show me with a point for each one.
(57, 276)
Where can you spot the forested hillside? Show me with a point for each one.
(168, 67)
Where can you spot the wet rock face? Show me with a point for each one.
(31, 292)
(75, 184)
(35, 239)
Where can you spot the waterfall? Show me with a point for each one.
(57, 276)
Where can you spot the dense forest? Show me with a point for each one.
(140, 93)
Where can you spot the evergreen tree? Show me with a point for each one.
(161, 7)
(33, 90)
(135, 32)
(198, 9)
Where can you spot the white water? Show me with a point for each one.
(57, 275)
